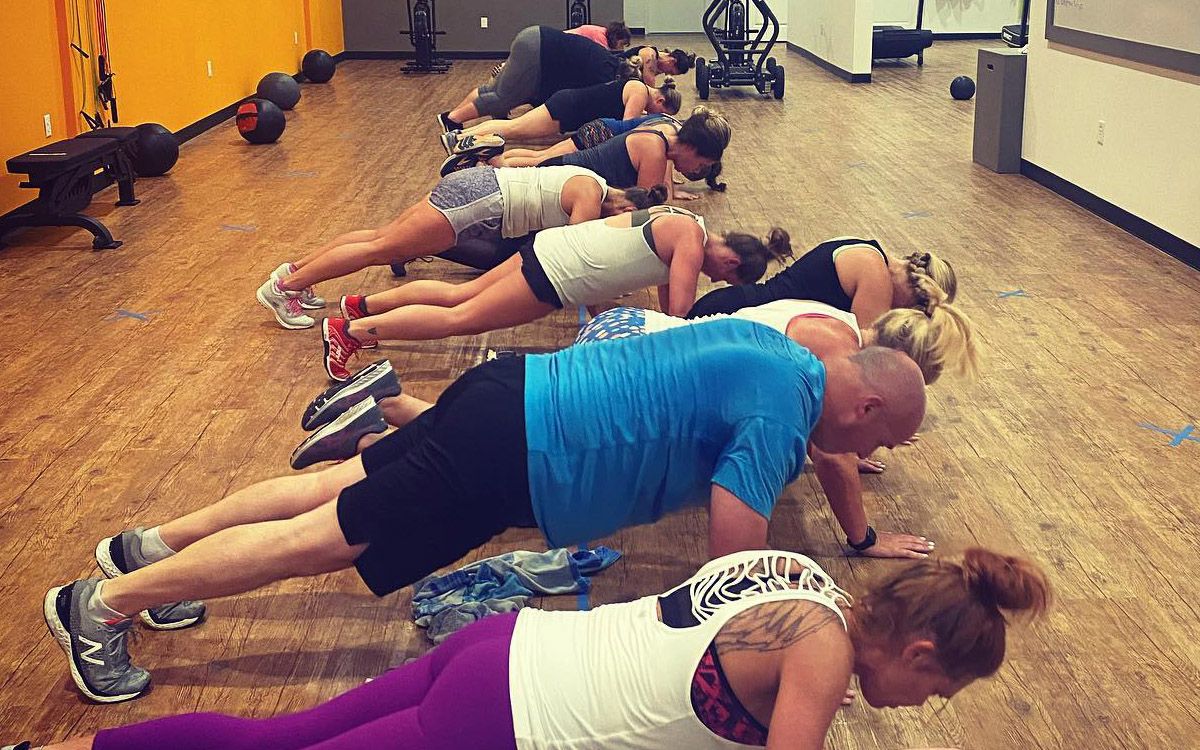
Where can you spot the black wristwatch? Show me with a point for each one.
(867, 543)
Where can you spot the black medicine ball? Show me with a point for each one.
(157, 150)
(279, 88)
(260, 121)
(962, 88)
(318, 66)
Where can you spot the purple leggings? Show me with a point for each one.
(454, 697)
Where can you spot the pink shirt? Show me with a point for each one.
(597, 34)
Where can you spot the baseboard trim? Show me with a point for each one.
(387, 54)
(1176, 247)
(637, 30)
(839, 72)
(952, 35)
(207, 123)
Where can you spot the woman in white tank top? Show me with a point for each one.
(580, 264)
(485, 204)
(935, 340)
(756, 649)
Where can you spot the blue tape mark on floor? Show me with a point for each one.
(1177, 438)
(130, 314)
(238, 227)
(916, 214)
(1013, 293)
(583, 602)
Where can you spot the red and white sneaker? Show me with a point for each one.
(354, 306)
(340, 346)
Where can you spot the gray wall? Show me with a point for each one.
(376, 25)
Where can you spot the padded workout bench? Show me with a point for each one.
(63, 173)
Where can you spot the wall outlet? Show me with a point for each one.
(295, 37)
(483, 22)
(1100, 132)
(46, 124)
(210, 69)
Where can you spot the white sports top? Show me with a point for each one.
(775, 314)
(533, 197)
(594, 261)
(618, 678)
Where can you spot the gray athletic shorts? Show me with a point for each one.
(519, 79)
(471, 201)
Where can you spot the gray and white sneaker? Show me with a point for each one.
(285, 306)
(448, 139)
(96, 651)
(486, 146)
(308, 296)
(377, 380)
(121, 554)
(338, 440)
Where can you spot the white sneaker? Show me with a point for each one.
(286, 308)
(308, 297)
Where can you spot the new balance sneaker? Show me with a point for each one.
(308, 296)
(338, 440)
(377, 380)
(96, 651)
(286, 307)
(446, 124)
(121, 554)
(477, 144)
(340, 346)
(354, 306)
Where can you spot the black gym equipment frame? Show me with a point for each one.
(897, 42)
(740, 60)
(422, 34)
(1018, 35)
(579, 13)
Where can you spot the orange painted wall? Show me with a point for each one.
(326, 19)
(29, 88)
(159, 52)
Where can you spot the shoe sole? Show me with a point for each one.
(345, 421)
(348, 316)
(62, 634)
(325, 359)
(446, 143)
(353, 388)
(109, 567)
(262, 300)
(312, 306)
(482, 151)
(311, 410)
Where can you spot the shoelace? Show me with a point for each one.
(293, 306)
(338, 349)
(308, 293)
(116, 650)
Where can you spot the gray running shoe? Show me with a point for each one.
(377, 381)
(308, 296)
(449, 139)
(122, 554)
(96, 651)
(338, 440)
(286, 308)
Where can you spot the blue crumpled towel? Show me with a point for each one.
(505, 583)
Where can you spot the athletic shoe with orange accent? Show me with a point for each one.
(354, 306)
(340, 346)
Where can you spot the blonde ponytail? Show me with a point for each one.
(938, 338)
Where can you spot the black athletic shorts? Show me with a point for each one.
(535, 276)
(445, 483)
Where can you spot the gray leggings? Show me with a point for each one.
(518, 80)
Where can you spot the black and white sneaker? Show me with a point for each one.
(122, 554)
(446, 124)
(20, 746)
(378, 381)
(479, 144)
(96, 652)
(448, 139)
(338, 440)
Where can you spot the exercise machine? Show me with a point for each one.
(422, 33)
(743, 53)
(1018, 35)
(579, 13)
(897, 42)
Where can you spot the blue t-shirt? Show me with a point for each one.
(617, 127)
(624, 432)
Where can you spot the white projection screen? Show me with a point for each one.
(1165, 33)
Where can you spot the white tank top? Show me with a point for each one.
(775, 314)
(618, 678)
(594, 261)
(533, 197)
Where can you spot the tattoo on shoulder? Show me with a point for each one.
(773, 626)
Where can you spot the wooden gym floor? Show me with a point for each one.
(144, 382)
